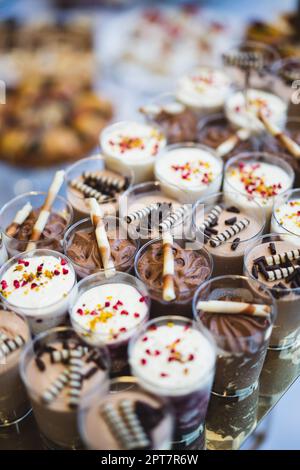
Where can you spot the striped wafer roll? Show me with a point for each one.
(142, 213)
(229, 232)
(211, 216)
(279, 273)
(281, 258)
(244, 60)
(75, 382)
(96, 215)
(65, 354)
(44, 214)
(88, 191)
(141, 439)
(56, 387)
(172, 218)
(229, 307)
(112, 182)
(229, 144)
(117, 425)
(3, 336)
(168, 267)
(10, 345)
(19, 219)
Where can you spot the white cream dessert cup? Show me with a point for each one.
(286, 214)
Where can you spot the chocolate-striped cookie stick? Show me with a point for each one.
(172, 218)
(140, 437)
(229, 232)
(75, 382)
(19, 219)
(211, 216)
(142, 213)
(111, 182)
(56, 387)
(118, 426)
(88, 191)
(279, 273)
(229, 307)
(168, 267)
(281, 258)
(9, 345)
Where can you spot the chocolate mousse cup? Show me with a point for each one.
(227, 230)
(37, 284)
(281, 279)
(60, 373)
(193, 265)
(80, 245)
(103, 425)
(174, 359)
(90, 177)
(61, 217)
(14, 335)
(110, 311)
(242, 339)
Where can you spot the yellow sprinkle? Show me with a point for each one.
(170, 324)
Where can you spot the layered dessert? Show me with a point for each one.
(80, 245)
(187, 172)
(240, 321)
(134, 145)
(204, 90)
(129, 418)
(273, 263)
(38, 285)
(191, 268)
(241, 109)
(60, 371)
(173, 359)
(286, 214)
(110, 312)
(14, 334)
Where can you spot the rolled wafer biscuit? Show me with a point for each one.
(142, 213)
(168, 267)
(19, 219)
(229, 144)
(44, 214)
(172, 218)
(56, 387)
(211, 216)
(96, 215)
(88, 191)
(281, 258)
(229, 232)
(229, 307)
(3, 337)
(117, 425)
(75, 381)
(244, 60)
(279, 273)
(141, 439)
(9, 345)
(64, 354)
(112, 182)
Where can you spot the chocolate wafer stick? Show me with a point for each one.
(140, 437)
(111, 182)
(279, 273)
(229, 232)
(172, 218)
(211, 217)
(44, 214)
(168, 267)
(229, 144)
(88, 191)
(56, 387)
(75, 381)
(117, 425)
(142, 213)
(281, 258)
(19, 219)
(96, 215)
(229, 307)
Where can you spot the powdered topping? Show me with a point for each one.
(288, 216)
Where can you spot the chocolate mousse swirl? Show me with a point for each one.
(83, 250)
(191, 268)
(214, 135)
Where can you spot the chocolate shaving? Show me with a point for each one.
(233, 209)
(272, 248)
(231, 221)
(254, 271)
(235, 244)
(40, 364)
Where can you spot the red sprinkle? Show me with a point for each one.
(143, 362)
(93, 312)
(191, 357)
(63, 262)
(56, 272)
(80, 311)
(123, 330)
(124, 312)
(142, 299)
(33, 285)
(107, 304)
(40, 268)
(16, 284)
(136, 315)
(4, 284)
(145, 339)
(65, 271)
(163, 374)
(148, 352)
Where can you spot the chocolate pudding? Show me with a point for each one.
(14, 334)
(192, 267)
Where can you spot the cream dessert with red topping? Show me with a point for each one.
(134, 145)
(204, 89)
(286, 217)
(187, 172)
(241, 109)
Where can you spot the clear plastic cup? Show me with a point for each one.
(285, 214)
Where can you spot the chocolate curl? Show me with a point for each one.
(96, 215)
(289, 144)
(19, 219)
(228, 307)
(229, 144)
(44, 214)
(168, 268)
(281, 258)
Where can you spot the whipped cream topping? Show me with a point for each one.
(288, 216)
(188, 168)
(174, 357)
(243, 116)
(132, 141)
(110, 312)
(37, 282)
(204, 88)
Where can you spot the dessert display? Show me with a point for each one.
(227, 230)
(128, 418)
(286, 213)
(110, 311)
(132, 145)
(260, 176)
(173, 359)
(190, 267)
(14, 334)
(189, 171)
(273, 263)
(240, 319)
(38, 284)
(60, 371)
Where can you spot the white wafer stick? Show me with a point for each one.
(44, 214)
(142, 213)
(211, 216)
(280, 258)
(229, 144)
(172, 218)
(289, 144)
(280, 273)
(140, 437)
(117, 425)
(56, 387)
(64, 354)
(9, 345)
(19, 219)
(101, 237)
(229, 232)
(226, 306)
(168, 267)
(88, 191)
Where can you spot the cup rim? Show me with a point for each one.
(279, 201)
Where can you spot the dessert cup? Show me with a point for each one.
(242, 339)
(188, 171)
(97, 167)
(174, 359)
(222, 218)
(193, 265)
(286, 214)
(110, 311)
(60, 373)
(14, 404)
(132, 145)
(81, 247)
(285, 290)
(60, 218)
(287, 72)
(38, 284)
(153, 429)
